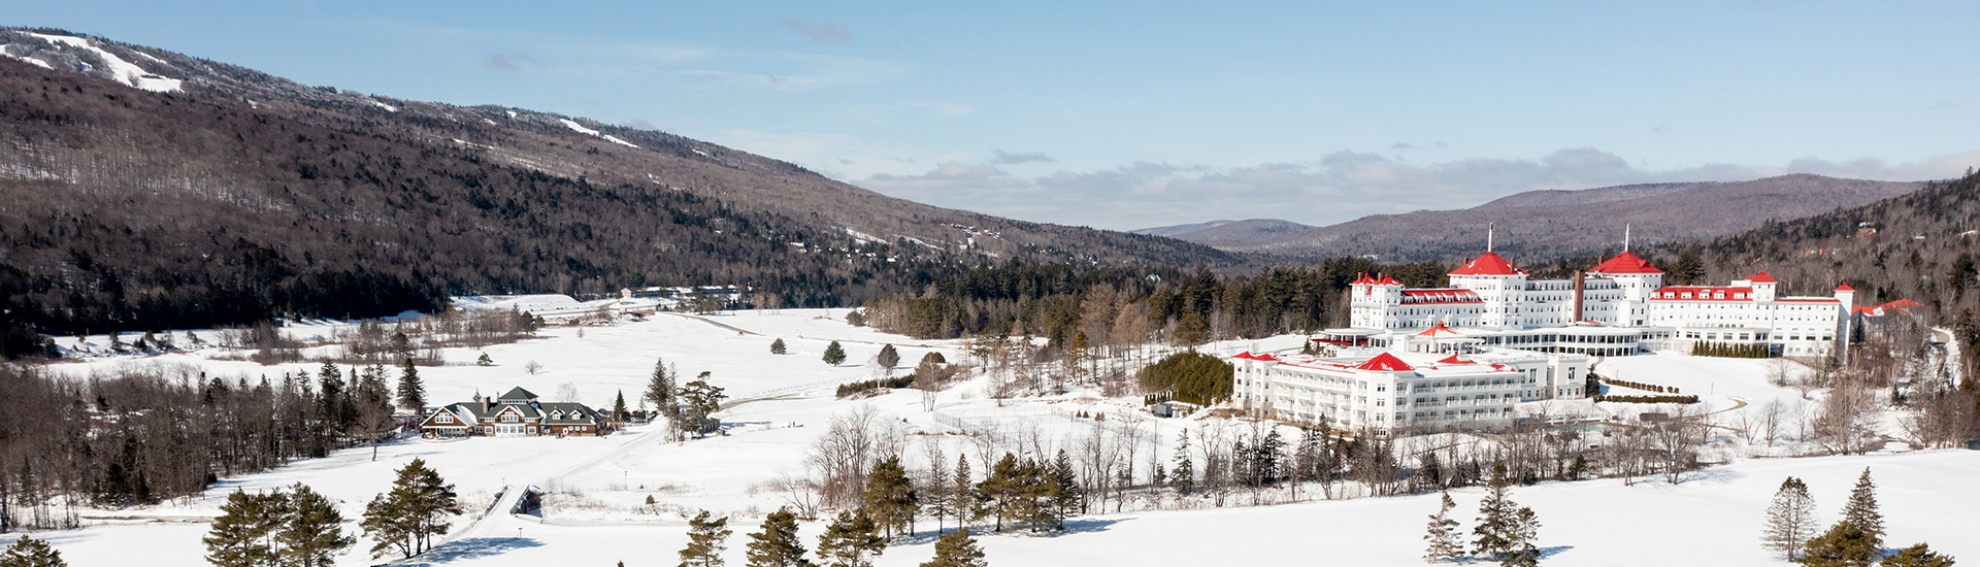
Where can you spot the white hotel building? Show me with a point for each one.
(1465, 355)
(1390, 392)
(1612, 310)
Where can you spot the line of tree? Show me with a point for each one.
(1732, 350)
(140, 435)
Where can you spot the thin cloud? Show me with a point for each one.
(1001, 158)
(826, 32)
(511, 62)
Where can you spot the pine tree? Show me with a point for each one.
(889, 496)
(314, 533)
(1790, 519)
(1062, 491)
(408, 516)
(660, 389)
(1861, 510)
(706, 539)
(778, 544)
(619, 412)
(835, 354)
(1844, 545)
(777, 346)
(1506, 531)
(850, 541)
(484, 360)
(888, 359)
(412, 392)
(962, 496)
(244, 534)
(30, 552)
(1183, 477)
(1919, 555)
(957, 549)
(1001, 490)
(1443, 536)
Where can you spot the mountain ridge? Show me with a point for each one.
(134, 209)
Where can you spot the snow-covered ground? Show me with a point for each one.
(596, 513)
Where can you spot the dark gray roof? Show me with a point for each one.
(569, 413)
(518, 395)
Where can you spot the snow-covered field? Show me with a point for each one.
(596, 514)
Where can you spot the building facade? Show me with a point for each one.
(1612, 310)
(517, 413)
(1391, 392)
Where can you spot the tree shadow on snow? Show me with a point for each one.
(470, 548)
(1546, 552)
(1073, 526)
(1710, 475)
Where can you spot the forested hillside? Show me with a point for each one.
(1540, 226)
(240, 196)
(1919, 246)
(1134, 305)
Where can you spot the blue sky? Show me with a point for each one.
(1135, 114)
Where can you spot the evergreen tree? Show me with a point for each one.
(1443, 536)
(777, 346)
(706, 539)
(1062, 491)
(1183, 477)
(890, 497)
(778, 544)
(1919, 555)
(962, 498)
(834, 354)
(30, 552)
(1790, 519)
(244, 534)
(408, 516)
(483, 360)
(1001, 489)
(1506, 531)
(619, 412)
(1844, 545)
(660, 389)
(412, 392)
(957, 549)
(314, 532)
(850, 541)
(1861, 510)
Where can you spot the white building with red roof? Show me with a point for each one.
(1392, 392)
(1612, 310)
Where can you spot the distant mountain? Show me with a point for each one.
(1544, 225)
(1222, 232)
(146, 189)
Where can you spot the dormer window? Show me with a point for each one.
(444, 418)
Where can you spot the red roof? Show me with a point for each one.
(1363, 279)
(1266, 357)
(1453, 359)
(1703, 293)
(1625, 263)
(1905, 304)
(1244, 355)
(1414, 296)
(1488, 264)
(1385, 362)
(1845, 287)
(1386, 280)
(1761, 277)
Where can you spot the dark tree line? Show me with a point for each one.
(140, 436)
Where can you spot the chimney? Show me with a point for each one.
(1579, 287)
